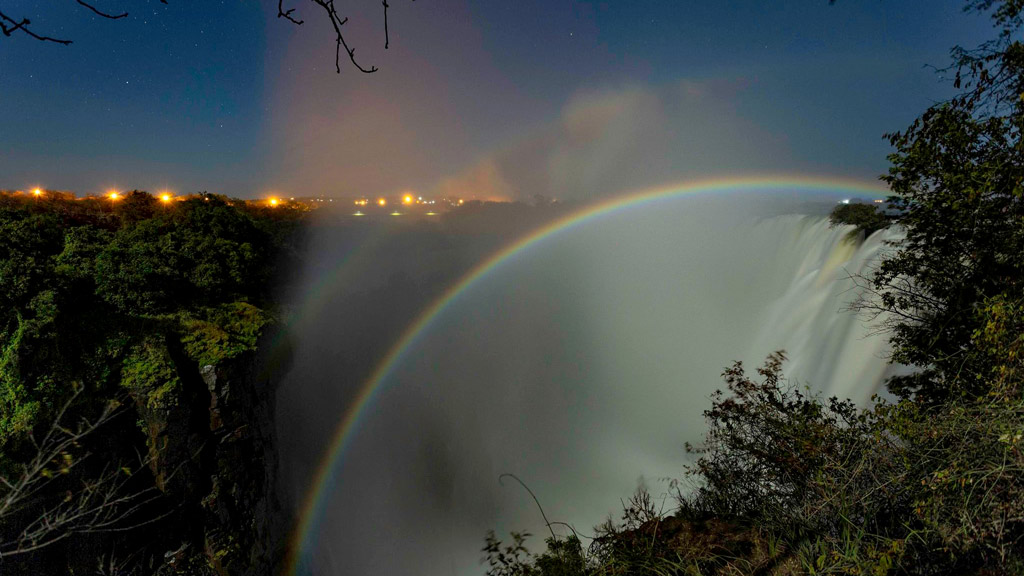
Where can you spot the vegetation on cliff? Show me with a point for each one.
(928, 482)
(122, 325)
(866, 217)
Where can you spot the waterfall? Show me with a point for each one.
(581, 365)
(829, 346)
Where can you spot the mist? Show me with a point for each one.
(582, 364)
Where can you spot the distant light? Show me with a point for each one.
(273, 201)
(358, 214)
(844, 201)
(431, 213)
(165, 197)
(396, 213)
(879, 201)
(460, 201)
(37, 192)
(382, 202)
(114, 195)
(407, 199)
(420, 198)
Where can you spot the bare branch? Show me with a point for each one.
(337, 21)
(100, 12)
(286, 14)
(387, 40)
(33, 520)
(9, 25)
(532, 495)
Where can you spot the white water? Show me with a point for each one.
(582, 366)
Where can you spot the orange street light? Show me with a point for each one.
(114, 195)
(407, 199)
(37, 192)
(165, 197)
(382, 202)
(273, 201)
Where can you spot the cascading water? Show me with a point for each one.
(581, 365)
(828, 345)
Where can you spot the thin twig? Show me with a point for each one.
(101, 13)
(532, 495)
(23, 25)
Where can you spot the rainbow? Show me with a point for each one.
(313, 509)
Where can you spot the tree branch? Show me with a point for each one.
(31, 520)
(9, 25)
(387, 40)
(286, 14)
(337, 21)
(101, 13)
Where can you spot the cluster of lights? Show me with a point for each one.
(407, 199)
(167, 197)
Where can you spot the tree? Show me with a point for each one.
(866, 217)
(129, 330)
(10, 25)
(958, 176)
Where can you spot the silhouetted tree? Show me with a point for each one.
(958, 173)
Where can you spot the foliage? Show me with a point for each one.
(958, 176)
(789, 483)
(212, 335)
(99, 299)
(866, 217)
(85, 298)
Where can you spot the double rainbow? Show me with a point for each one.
(312, 511)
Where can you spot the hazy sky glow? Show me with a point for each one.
(493, 99)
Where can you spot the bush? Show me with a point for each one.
(866, 217)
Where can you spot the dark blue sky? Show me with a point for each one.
(492, 98)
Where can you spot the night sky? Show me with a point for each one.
(486, 99)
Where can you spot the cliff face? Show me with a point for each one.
(214, 453)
